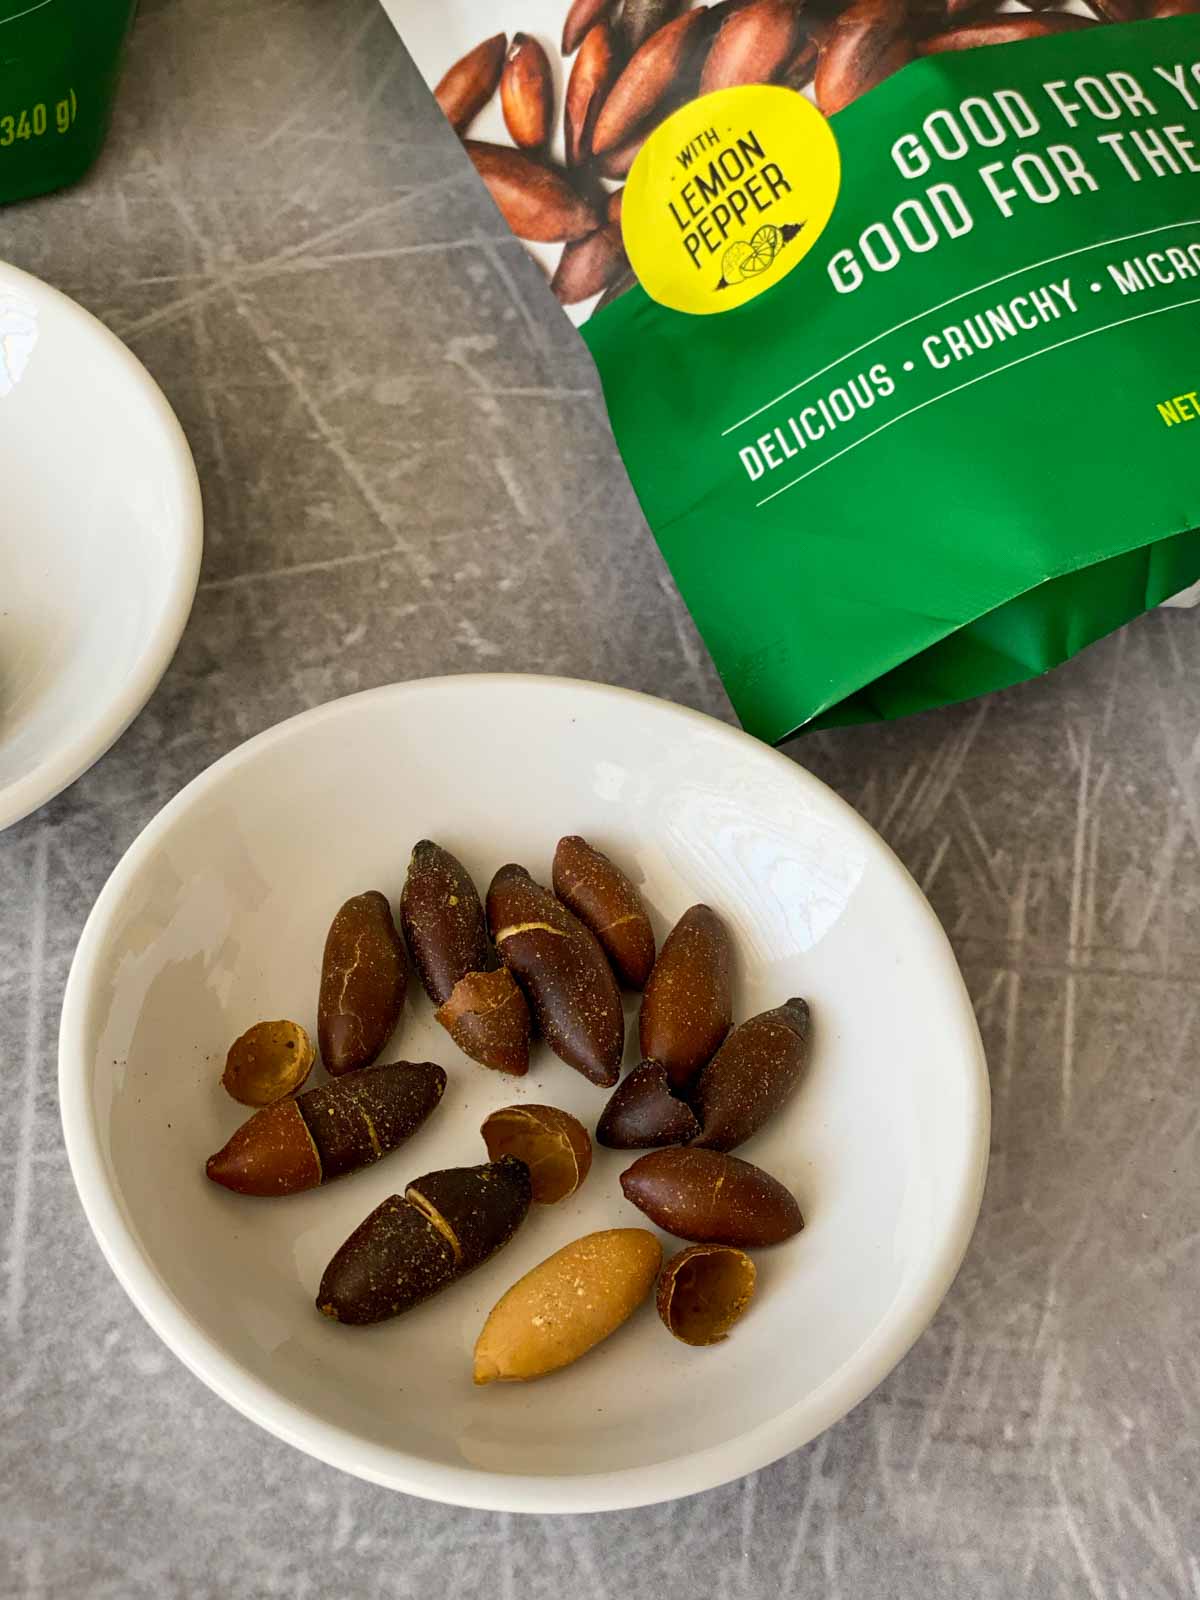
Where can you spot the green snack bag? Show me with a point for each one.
(897, 315)
(59, 61)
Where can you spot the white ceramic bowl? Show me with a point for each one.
(216, 918)
(100, 535)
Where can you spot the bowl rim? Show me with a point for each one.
(60, 768)
(393, 1467)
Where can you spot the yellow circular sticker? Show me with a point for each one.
(728, 195)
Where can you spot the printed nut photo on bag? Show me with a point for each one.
(899, 336)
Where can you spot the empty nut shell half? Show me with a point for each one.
(488, 1019)
(442, 917)
(752, 1075)
(712, 1198)
(567, 1305)
(643, 1114)
(552, 1144)
(270, 1060)
(687, 1008)
(604, 899)
(364, 976)
(704, 1290)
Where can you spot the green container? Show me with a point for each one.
(59, 61)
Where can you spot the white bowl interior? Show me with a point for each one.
(216, 918)
(99, 540)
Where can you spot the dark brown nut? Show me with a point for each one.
(1001, 30)
(590, 78)
(587, 266)
(603, 898)
(567, 1305)
(410, 1247)
(270, 1060)
(711, 1198)
(392, 1261)
(581, 19)
(471, 82)
(442, 917)
(488, 1019)
(643, 1114)
(272, 1153)
(751, 1075)
(527, 93)
(363, 980)
(704, 1290)
(476, 1209)
(360, 1119)
(564, 972)
(617, 163)
(866, 44)
(652, 73)
(552, 1144)
(329, 1131)
(1172, 8)
(641, 18)
(621, 284)
(688, 1005)
(616, 199)
(535, 200)
(798, 72)
(752, 45)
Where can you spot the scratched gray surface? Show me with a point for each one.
(407, 471)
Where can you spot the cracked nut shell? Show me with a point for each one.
(604, 900)
(442, 917)
(711, 1198)
(687, 1008)
(564, 972)
(752, 1075)
(329, 1131)
(364, 976)
(267, 1062)
(643, 1114)
(488, 1019)
(704, 1290)
(553, 1144)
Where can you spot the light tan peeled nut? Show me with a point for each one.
(567, 1305)
(268, 1062)
(553, 1144)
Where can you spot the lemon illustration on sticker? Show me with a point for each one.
(728, 195)
(746, 259)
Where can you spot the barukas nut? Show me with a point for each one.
(587, 266)
(564, 972)
(591, 75)
(442, 917)
(412, 1246)
(604, 900)
(751, 1075)
(1009, 29)
(687, 1008)
(652, 73)
(364, 976)
(581, 19)
(488, 1018)
(712, 1198)
(329, 1131)
(567, 1305)
(752, 45)
(704, 1290)
(267, 1062)
(866, 44)
(470, 83)
(553, 1144)
(527, 93)
(643, 1114)
(534, 199)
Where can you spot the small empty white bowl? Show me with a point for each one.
(100, 539)
(216, 918)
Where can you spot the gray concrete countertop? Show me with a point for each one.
(407, 471)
